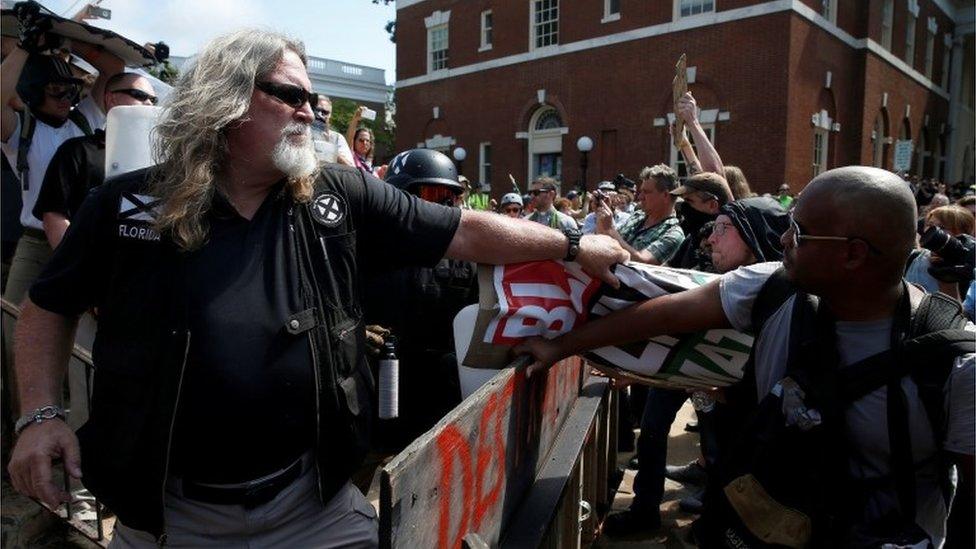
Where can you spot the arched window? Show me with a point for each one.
(546, 144)
(548, 120)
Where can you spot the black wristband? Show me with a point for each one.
(573, 247)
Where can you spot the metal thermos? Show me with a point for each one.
(389, 381)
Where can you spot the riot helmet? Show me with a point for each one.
(429, 174)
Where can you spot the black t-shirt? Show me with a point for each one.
(233, 421)
(77, 167)
(245, 372)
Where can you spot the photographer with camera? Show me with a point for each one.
(605, 198)
(944, 262)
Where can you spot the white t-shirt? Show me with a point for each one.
(332, 146)
(44, 144)
(866, 417)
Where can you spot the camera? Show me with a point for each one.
(956, 251)
(958, 254)
(368, 114)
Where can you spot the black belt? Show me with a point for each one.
(250, 495)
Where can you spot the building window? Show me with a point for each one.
(887, 23)
(910, 39)
(678, 160)
(611, 10)
(687, 8)
(829, 10)
(484, 164)
(549, 120)
(545, 23)
(486, 26)
(879, 141)
(946, 61)
(820, 140)
(545, 143)
(437, 48)
(929, 52)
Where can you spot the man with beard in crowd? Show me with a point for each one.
(232, 395)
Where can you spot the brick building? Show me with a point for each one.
(787, 88)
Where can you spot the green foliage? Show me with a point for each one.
(342, 111)
(165, 72)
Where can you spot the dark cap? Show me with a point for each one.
(704, 182)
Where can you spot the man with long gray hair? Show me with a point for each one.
(232, 395)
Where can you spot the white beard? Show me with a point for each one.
(295, 160)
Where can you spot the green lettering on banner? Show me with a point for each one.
(725, 356)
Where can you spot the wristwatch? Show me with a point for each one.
(573, 248)
(44, 413)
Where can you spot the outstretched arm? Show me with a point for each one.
(710, 160)
(485, 237)
(684, 312)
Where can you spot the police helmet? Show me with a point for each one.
(416, 167)
(39, 71)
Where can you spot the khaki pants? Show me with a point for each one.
(294, 518)
(32, 255)
(29, 260)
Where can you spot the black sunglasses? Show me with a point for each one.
(138, 95)
(322, 112)
(293, 96)
(60, 91)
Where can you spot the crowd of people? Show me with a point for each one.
(237, 287)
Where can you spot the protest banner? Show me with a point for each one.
(550, 298)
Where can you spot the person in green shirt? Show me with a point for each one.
(784, 197)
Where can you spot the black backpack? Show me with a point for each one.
(780, 486)
(28, 123)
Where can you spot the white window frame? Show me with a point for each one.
(533, 26)
(932, 29)
(487, 28)
(911, 22)
(484, 165)
(678, 160)
(887, 23)
(878, 142)
(829, 10)
(821, 153)
(946, 60)
(608, 15)
(677, 8)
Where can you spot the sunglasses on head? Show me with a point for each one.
(138, 95)
(293, 96)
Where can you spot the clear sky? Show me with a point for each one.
(345, 30)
